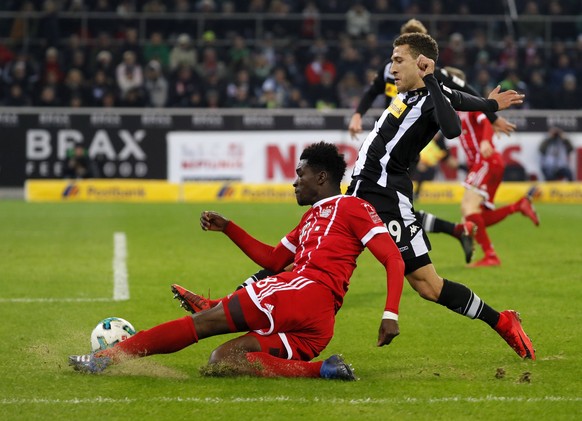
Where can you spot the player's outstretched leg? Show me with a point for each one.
(510, 329)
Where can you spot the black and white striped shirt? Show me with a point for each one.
(411, 120)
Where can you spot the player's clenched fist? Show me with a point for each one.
(213, 221)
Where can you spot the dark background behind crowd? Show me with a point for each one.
(274, 53)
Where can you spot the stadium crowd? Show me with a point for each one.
(309, 62)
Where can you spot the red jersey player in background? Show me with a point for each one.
(290, 316)
(485, 174)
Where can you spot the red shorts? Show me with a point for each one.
(291, 316)
(484, 177)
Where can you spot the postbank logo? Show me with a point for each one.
(396, 107)
(225, 191)
(71, 190)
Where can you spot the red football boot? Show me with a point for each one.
(190, 301)
(509, 328)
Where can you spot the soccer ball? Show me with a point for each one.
(109, 332)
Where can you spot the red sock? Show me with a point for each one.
(482, 237)
(161, 339)
(270, 366)
(491, 217)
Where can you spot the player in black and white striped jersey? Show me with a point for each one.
(383, 84)
(421, 108)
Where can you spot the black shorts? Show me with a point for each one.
(396, 211)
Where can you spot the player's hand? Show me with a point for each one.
(213, 221)
(486, 149)
(501, 125)
(507, 98)
(355, 126)
(425, 66)
(388, 331)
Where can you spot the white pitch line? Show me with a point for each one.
(53, 300)
(120, 277)
(275, 399)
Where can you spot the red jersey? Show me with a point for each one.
(475, 129)
(325, 244)
(330, 237)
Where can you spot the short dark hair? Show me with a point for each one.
(323, 156)
(419, 44)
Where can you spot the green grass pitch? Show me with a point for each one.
(56, 280)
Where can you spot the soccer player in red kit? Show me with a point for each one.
(485, 174)
(290, 316)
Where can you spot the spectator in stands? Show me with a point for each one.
(562, 67)
(349, 90)
(48, 97)
(293, 69)
(240, 92)
(276, 89)
(131, 43)
(569, 95)
(78, 61)
(297, 100)
(311, 24)
(104, 63)
(454, 53)
(56, 87)
(239, 55)
(240, 98)
(133, 98)
(109, 100)
(531, 23)
(210, 64)
(315, 69)
(555, 153)
(128, 73)
(350, 61)
(156, 86)
(185, 88)
(74, 88)
(22, 71)
(261, 68)
(214, 90)
(104, 42)
(358, 20)
(539, 96)
(52, 65)
(508, 55)
(183, 53)
(100, 86)
(157, 49)
(479, 45)
(324, 94)
(15, 97)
